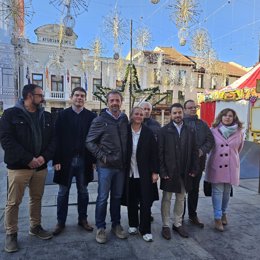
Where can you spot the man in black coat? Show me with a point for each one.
(26, 134)
(73, 159)
(178, 156)
(205, 142)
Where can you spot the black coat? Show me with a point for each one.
(16, 137)
(65, 139)
(178, 157)
(147, 163)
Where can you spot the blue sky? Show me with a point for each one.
(234, 26)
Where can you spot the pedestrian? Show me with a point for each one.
(223, 163)
(178, 156)
(205, 142)
(73, 159)
(142, 175)
(107, 140)
(154, 126)
(27, 138)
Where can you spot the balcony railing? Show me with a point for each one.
(57, 95)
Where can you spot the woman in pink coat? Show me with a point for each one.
(223, 164)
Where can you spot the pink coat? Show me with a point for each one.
(223, 163)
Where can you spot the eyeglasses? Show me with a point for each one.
(195, 107)
(39, 95)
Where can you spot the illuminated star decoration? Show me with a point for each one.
(184, 13)
(77, 6)
(115, 27)
(96, 48)
(18, 12)
(143, 38)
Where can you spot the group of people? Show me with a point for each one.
(129, 156)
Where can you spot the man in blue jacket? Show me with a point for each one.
(26, 134)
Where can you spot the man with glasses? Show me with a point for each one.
(205, 142)
(26, 135)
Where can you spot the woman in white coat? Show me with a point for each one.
(223, 164)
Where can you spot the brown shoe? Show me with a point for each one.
(181, 231)
(219, 225)
(166, 233)
(195, 221)
(85, 225)
(58, 229)
(224, 219)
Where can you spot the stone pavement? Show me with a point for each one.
(240, 240)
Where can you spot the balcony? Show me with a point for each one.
(57, 95)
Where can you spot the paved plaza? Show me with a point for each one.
(240, 240)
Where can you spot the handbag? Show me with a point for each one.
(207, 189)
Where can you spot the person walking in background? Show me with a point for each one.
(142, 175)
(154, 126)
(107, 141)
(27, 137)
(73, 159)
(205, 142)
(178, 156)
(223, 163)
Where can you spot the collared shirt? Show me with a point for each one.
(76, 110)
(134, 168)
(178, 127)
(107, 110)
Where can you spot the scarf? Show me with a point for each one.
(227, 131)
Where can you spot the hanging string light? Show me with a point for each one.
(143, 38)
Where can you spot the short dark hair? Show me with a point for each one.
(80, 89)
(187, 101)
(29, 89)
(179, 105)
(112, 92)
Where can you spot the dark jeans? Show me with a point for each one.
(193, 196)
(134, 200)
(109, 180)
(77, 170)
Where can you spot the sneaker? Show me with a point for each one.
(119, 232)
(132, 230)
(11, 243)
(195, 221)
(101, 236)
(148, 237)
(40, 232)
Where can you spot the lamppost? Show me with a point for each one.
(131, 64)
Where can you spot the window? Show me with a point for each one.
(75, 82)
(181, 96)
(169, 97)
(119, 84)
(182, 77)
(227, 81)
(200, 81)
(37, 79)
(157, 76)
(57, 83)
(7, 77)
(213, 83)
(96, 83)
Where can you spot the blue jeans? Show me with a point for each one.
(109, 180)
(220, 198)
(77, 170)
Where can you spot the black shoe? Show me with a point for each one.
(195, 221)
(151, 218)
(166, 233)
(181, 231)
(58, 229)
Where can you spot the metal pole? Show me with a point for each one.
(131, 64)
(101, 75)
